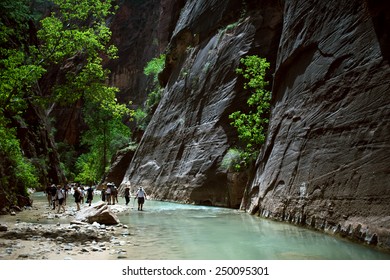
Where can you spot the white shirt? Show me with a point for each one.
(141, 193)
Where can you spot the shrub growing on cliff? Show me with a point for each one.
(152, 68)
(251, 127)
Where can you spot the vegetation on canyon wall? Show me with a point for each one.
(252, 125)
(143, 114)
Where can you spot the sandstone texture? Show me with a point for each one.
(179, 157)
(326, 160)
(325, 163)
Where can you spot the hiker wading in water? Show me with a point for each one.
(141, 195)
(77, 197)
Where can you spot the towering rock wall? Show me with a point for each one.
(326, 160)
(180, 155)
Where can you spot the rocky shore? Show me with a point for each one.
(48, 235)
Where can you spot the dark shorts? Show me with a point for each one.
(141, 200)
(60, 201)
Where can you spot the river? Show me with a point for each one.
(167, 231)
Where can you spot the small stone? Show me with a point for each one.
(96, 249)
(3, 228)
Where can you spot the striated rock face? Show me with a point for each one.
(180, 153)
(139, 36)
(326, 160)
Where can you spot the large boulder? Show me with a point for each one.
(98, 212)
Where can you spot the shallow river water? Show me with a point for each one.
(177, 231)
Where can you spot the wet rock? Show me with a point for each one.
(3, 228)
(99, 212)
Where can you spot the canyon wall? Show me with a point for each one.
(326, 160)
(179, 157)
(325, 163)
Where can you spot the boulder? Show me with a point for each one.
(98, 212)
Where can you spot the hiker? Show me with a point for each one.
(127, 194)
(141, 195)
(103, 194)
(48, 194)
(77, 197)
(114, 194)
(60, 196)
(108, 194)
(89, 195)
(65, 190)
(82, 192)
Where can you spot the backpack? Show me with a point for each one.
(77, 194)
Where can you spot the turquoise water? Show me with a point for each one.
(171, 231)
(176, 231)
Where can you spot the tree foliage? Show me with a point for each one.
(251, 127)
(74, 38)
(105, 136)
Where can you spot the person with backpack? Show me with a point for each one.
(108, 194)
(82, 193)
(127, 194)
(89, 195)
(60, 197)
(114, 194)
(77, 197)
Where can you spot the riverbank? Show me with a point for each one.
(38, 233)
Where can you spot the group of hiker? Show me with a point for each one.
(110, 194)
(57, 195)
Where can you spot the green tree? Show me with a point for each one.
(106, 134)
(17, 173)
(251, 127)
(74, 38)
